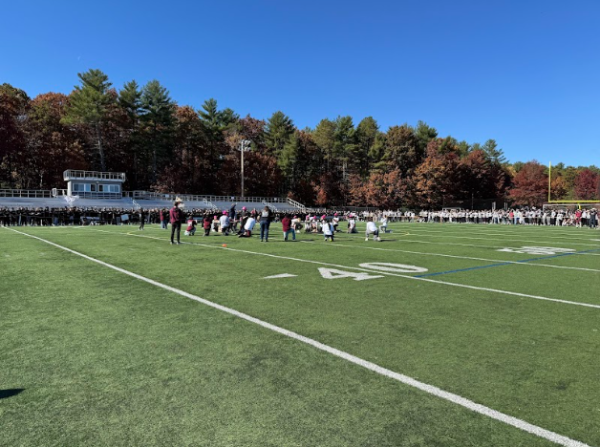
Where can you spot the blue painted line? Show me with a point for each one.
(506, 263)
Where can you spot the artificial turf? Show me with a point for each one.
(106, 359)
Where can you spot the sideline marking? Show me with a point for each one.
(430, 389)
(435, 281)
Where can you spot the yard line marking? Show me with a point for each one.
(465, 257)
(430, 389)
(420, 241)
(283, 275)
(510, 234)
(435, 281)
(497, 239)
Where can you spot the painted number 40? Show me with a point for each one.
(329, 273)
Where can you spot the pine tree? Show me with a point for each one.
(88, 104)
(278, 132)
(157, 118)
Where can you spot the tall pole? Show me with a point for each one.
(549, 179)
(242, 195)
(244, 146)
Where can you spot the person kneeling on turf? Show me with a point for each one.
(191, 227)
(372, 229)
(248, 226)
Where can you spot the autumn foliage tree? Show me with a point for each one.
(587, 185)
(172, 148)
(530, 185)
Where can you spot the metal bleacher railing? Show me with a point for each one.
(26, 193)
(209, 201)
(75, 174)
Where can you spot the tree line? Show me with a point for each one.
(166, 147)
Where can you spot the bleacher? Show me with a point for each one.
(146, 200)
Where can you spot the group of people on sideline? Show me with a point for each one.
(242, 223)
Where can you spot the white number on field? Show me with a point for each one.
(537, 250)
(393, 268)
(328, 273)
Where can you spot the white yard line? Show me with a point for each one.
(459, 257)
(430, 389)
(456, 244)
(465, 286)
(508, 237)
(495, 233)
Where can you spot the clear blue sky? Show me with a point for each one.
(525, 73)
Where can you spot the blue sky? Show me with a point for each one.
(525, 73)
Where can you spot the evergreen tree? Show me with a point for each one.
(494, 154)
(88, 104)
(278, 132)
(345, 142)
(367, 139)
(157, 119)
(424, 135)
(324, 137)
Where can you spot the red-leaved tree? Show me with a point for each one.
(586, 185)
(530, 185)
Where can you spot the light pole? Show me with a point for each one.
(244, 147)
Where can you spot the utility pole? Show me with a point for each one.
(244, 147)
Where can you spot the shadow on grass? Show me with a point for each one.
(5, 394)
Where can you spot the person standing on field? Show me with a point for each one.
(142, 215)
(265, 221)
(286, 224)
(176, 217)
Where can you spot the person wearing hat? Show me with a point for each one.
(176, 217)
(225, 223)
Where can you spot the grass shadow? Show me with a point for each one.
(5, 394)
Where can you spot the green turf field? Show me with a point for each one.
(94, 356)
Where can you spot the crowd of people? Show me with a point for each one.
(327, 222)
(526, 216)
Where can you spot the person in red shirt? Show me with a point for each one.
(191, 226)
(286, 223)
(176, 217)
(206, 224)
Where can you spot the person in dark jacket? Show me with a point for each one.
(266, 215)
(176, 217)
(142, 215)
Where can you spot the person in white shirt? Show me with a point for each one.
(248, 227)
(328, 231)
(372, 229)
(383, 226)
(225, 223)
(351, 224)
(335, 222)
